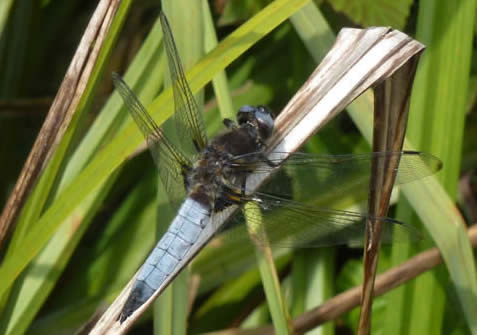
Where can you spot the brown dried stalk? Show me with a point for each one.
(391, 107)
(61, 111)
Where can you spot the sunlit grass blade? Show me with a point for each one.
(145, 75)
(5, 10)
(171, 309)
(36, 283)
(100, 272)
(313, 30)
(271, 284)
(220, 84)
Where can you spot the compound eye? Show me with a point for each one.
(265, 121)
(245, 114)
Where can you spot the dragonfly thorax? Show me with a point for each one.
(217, 179)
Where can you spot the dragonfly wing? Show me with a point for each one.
(287, 223)
(171, 163)
(335, 174)
(189, 122)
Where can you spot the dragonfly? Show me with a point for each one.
(204, 178)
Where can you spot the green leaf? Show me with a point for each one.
(438, 107)
(98, 273)
(268, 273)
(427, 198)
(370, 13)
(220, 309)
(236, 11)
(171, 308)
(5, 10)
(14, 44)
(221, 89)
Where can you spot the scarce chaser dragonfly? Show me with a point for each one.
(214, 178)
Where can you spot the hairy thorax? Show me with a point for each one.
(215, 181)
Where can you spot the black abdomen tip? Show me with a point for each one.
(139, 295)
(129, 307)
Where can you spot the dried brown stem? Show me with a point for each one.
(61, 111)
(391, 107)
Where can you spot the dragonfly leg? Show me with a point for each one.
(196, 146)
(243, 187)
(229, 124)
(268, 162)
(228, 196)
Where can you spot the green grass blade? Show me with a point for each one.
(438, 107)
(20, 311)
(220, 84)
(428, 199)
(145, 74)
(268, 273)
(37, 281)
(440, 218)
(100, 271)
(314, 31)
(171, 309)
(35, 203)
(5, 10)
(313, 276)
(14, 47)
(220, 309)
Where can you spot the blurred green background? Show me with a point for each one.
(90, 222)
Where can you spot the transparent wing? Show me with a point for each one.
(331, 172)
(287, 223)
(295, 224)
(189, 122)
(171, 163)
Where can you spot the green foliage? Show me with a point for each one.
(375, 12)
(90, 220)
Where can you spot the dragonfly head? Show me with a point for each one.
(259, 117)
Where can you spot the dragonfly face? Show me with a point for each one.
(217, 180)
(258, 116)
